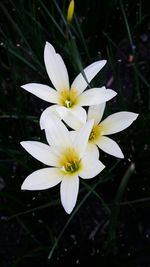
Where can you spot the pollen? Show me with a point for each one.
(70, 161)
(96, 132)
(68, 98)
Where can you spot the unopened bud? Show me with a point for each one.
(70, 11)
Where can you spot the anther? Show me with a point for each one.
(67, 103)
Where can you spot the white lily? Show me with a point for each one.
(68, 159)
(73, 97)
(114, 123)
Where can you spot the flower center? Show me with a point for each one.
(68, 98)
(95, 133)
(71, 166)
(70, 161)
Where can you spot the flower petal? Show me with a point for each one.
(79, 112)
(92, 150)
(118, 122)
(42, 179)
(69, 191)
(41, 152)
(42, 91)
(91, 167)
(81, 139)
(56, 68)
(96, 112)
(73, 117)
(47, 113)
(73, 135)
(95, 96)
(109, 146)
(57, 133)
(90, 72)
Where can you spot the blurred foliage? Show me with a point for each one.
(111, 217)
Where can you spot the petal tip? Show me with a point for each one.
(110, 92)
(103, 167)
(47, 44)
(23, 186)
(42, 126)
(25, 144)
(120, 155)
(22, 143)
(104, 61)
(50, 47)
(23, 86)
(114, 92)
(136, 115)
(68, 211)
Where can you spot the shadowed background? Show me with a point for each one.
(111, 218)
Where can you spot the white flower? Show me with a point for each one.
(73, 97)
(112, 124)
(68, 160)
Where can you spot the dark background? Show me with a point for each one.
(110, 225)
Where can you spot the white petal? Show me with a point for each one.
(118, 122)
(57, 133)
(73, 135)
(47, 113)
(73, 117)
(91, 167)
(42, 179)
(80, 113)
(42, 91)
(92, 150)
(90, 72)
(81, 140)
(109, 146)
(69, 192)
(95, 96)
(56, 68)
(41, 152)
(96, 112)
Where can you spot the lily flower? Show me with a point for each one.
(73, 97)
(68, 161)
(114, 123)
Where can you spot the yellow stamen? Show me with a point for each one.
(96, 132)
(68, 98)
(70, 161)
